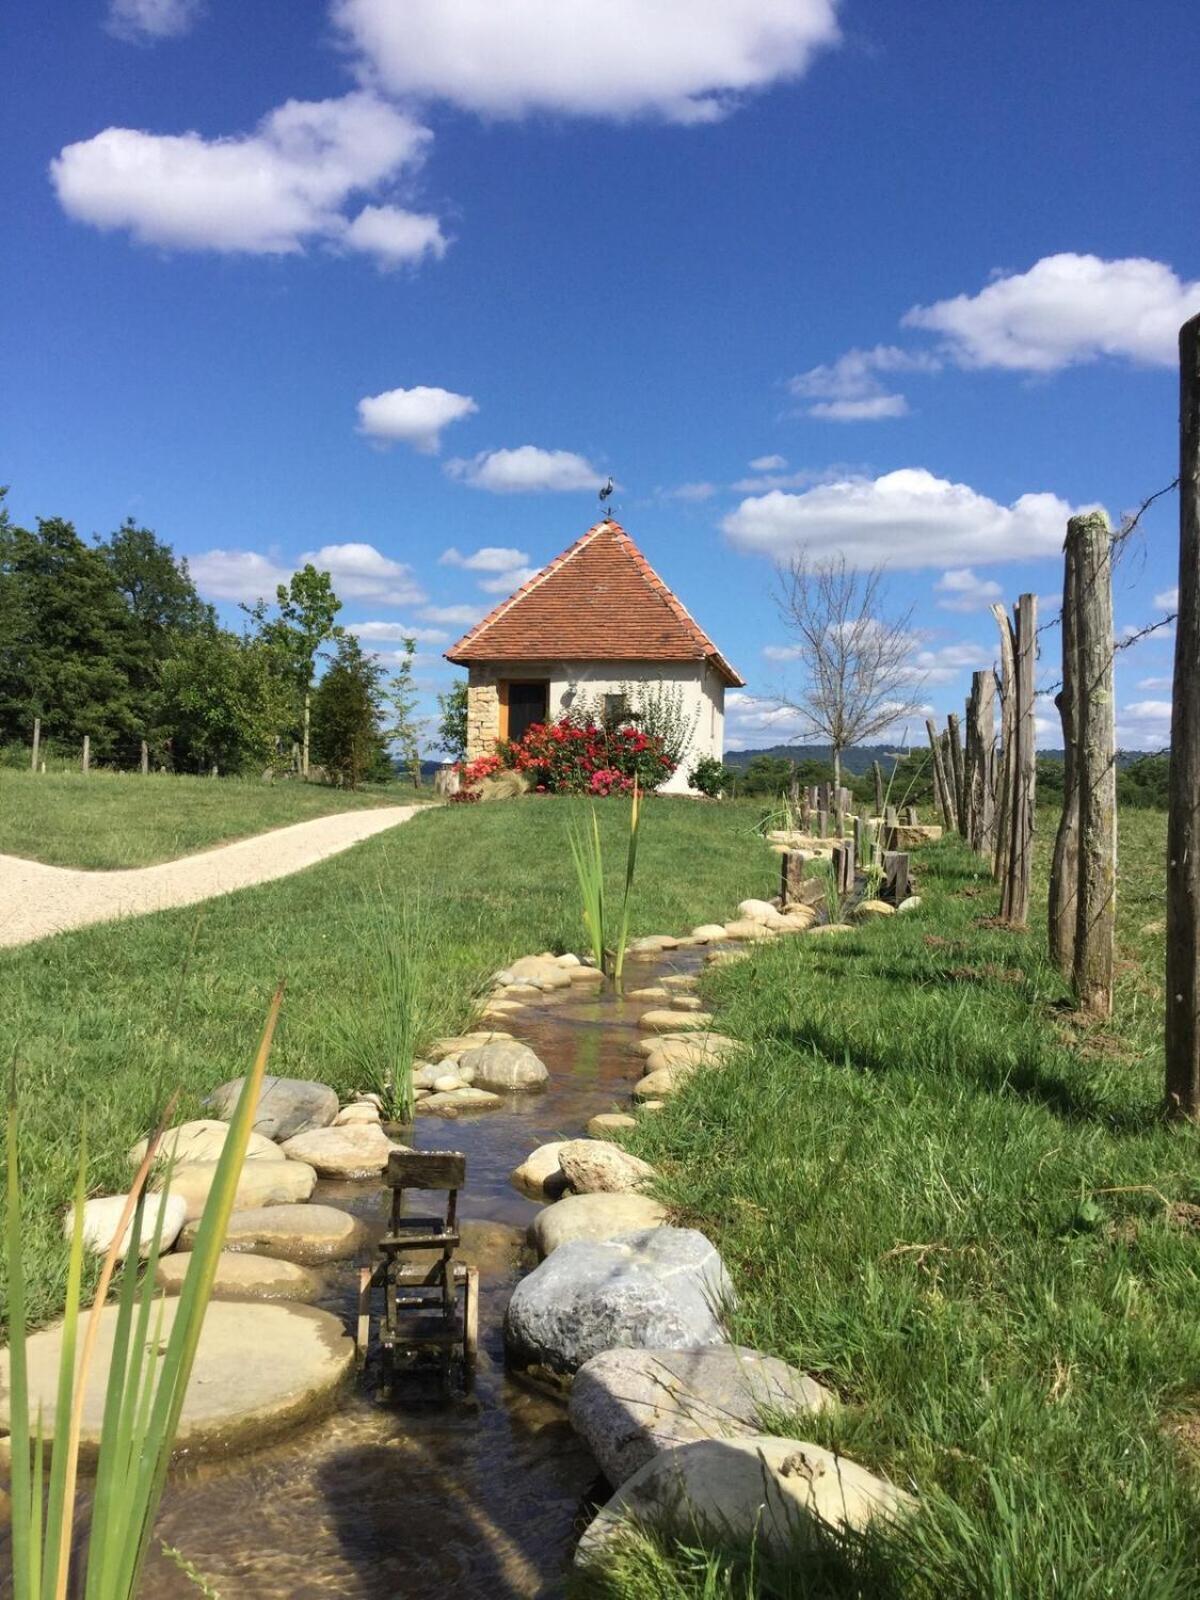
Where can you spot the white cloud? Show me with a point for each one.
(413, 416)
(145, 21)
(768, 464)
(491, 558)
(237, 574)
(454, 616)
(1155, 683)
(1144, 725)
(360, 572)
(962, 590)
(849, 389)
(1067, 309)
(747, 714)
(1168, 600)
(394, 237)
(604, 58)
(905, 519)
(270, 192)
(508, 582)
(691, 492)
(381, 631)
(525, 470)
(947, 663)
(803, 478)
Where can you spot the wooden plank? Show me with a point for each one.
(895, 876)
(426, 1169)
(1183, 819)
(1096, 905)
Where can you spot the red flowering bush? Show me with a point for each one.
(575, 758)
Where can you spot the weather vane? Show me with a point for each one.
(606, 496)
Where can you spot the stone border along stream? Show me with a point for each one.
(624, 1309)
(40, 900)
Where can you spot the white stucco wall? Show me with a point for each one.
(703, 696)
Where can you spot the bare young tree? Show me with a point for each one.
(855, 661)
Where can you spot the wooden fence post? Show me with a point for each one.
(37, 739)
(87, 752)
(1006, 773)
(1183, 820)
(1096, 898)
(941, 789)
(981, 761)
(956, 774)
(1064, 864)
(145, 758)
(1014, 898)
(877, 774)
(895, 875)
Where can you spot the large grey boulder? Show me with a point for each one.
(629, 1404)
(286, 1106)
(782, 1494)
(505, 1065)
(659, 1288)
(593, 1216)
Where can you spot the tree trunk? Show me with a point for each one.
(1183, 832)
(1064, 866)
(1006, 775)
(837, 774)
(1096, 904)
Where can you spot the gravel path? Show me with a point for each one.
(37, 900)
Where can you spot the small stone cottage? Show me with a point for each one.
(594, 626)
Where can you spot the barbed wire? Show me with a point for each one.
(1123, 644)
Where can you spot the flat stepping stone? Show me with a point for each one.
(260, 1369)
(262, 1183)
(685, 1002)
(831, 927)
(710, 933)
(593, 1216)
(202, 1140)
(653, 991)
(744, 928)
(652, 944)
(682, 981)
(593, 1166)
(627, 1405)
(306, 1234)
(701, 1050)
(668, 1021)
(585, 975)
(102, 1216)
(455, 1044)
(360, 1150)
(539, 972)
(286, 1106)
(245, 1277)
(450, 1104)
(606, 1122)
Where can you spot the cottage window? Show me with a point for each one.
(616, 710)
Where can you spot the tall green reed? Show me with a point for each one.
(144, 1393)
(607, 941)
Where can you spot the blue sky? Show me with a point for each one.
(931, 260)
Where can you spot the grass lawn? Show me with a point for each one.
(102, 1018)
(943, 1195)
(120, 819)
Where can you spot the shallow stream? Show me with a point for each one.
(420, 1497)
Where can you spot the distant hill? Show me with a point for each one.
(858, 759)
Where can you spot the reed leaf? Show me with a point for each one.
(627, 898)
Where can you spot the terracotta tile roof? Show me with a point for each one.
(599, 601)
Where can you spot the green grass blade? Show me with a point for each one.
(627, 897)
(26, 1556)
(60, 1501)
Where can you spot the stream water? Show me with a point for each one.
(478, 1496)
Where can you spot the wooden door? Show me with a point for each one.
(528, 702)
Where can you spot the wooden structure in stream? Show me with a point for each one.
(429, 1307)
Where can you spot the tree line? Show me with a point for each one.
(111, 640)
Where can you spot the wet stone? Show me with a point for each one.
(505, 1065)
(307, 1234)
(260, 1369)
(593, 1217)
(360, 1150)
(468, 1098)
(245, 1277)
(668, 1021)
(606, 1122)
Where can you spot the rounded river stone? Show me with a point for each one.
(306, 1234)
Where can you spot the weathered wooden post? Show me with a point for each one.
(87, 752)
(1014, 898)
(895, 875)
(1064, 864)
(822, 823)
(877, 774)
(1183, 816)
(956, 774)
(941, 787)
(37, 740)
(1096, 896)
(145, 758)
(981, 761)
(862, 845)
(1006, 774)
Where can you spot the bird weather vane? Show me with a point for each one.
(605, 496)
